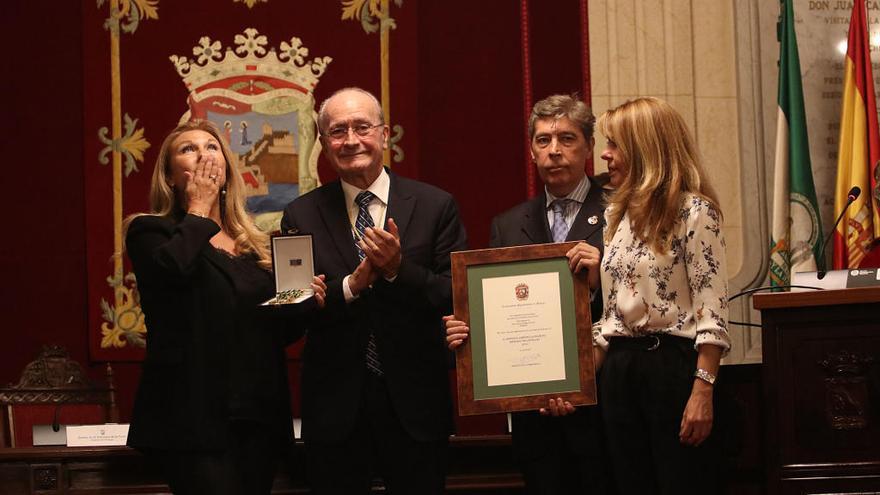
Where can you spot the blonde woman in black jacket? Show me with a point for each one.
(213, 406)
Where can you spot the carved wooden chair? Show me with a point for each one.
(53, 390)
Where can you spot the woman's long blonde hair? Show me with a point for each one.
(234, 217)
(664, 166)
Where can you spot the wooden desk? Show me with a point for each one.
(477, 465)
(821, 375)
(80, 470)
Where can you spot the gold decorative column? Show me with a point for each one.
(124, 321)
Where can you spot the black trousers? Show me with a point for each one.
(563, 455)
(378, 446)
(246, 467)
(644, 392)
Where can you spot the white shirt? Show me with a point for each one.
(578, 196)
(377, 208)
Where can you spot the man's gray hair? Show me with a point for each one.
(569, 106)
(322, 110)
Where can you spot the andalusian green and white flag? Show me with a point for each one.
(795, 243)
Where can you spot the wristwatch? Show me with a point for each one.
(705, 376)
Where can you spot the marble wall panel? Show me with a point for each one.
(684, 54)
(685, 51)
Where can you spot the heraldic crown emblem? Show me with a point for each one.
(262, 100)
(250, 56)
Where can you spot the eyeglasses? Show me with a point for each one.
(340, 132)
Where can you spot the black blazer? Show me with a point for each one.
(404, 315)
(526, 223)
(207, 342)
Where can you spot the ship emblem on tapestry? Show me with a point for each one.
(262, 100)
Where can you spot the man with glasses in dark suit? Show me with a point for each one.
(375, 389)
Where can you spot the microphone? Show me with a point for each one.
(850, 197)
(853, 195)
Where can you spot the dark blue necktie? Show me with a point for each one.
(363, 221)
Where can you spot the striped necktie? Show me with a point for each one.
(363, 221)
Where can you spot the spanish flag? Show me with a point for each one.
(859, 150)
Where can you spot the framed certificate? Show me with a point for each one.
(530, 329)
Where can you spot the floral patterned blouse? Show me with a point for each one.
(679, 292)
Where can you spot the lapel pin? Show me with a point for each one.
(593, 220)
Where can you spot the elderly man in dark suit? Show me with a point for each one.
(560, 448)
(375, 385)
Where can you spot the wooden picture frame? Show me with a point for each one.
(484, 385)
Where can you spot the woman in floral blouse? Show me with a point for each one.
(664, 283)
